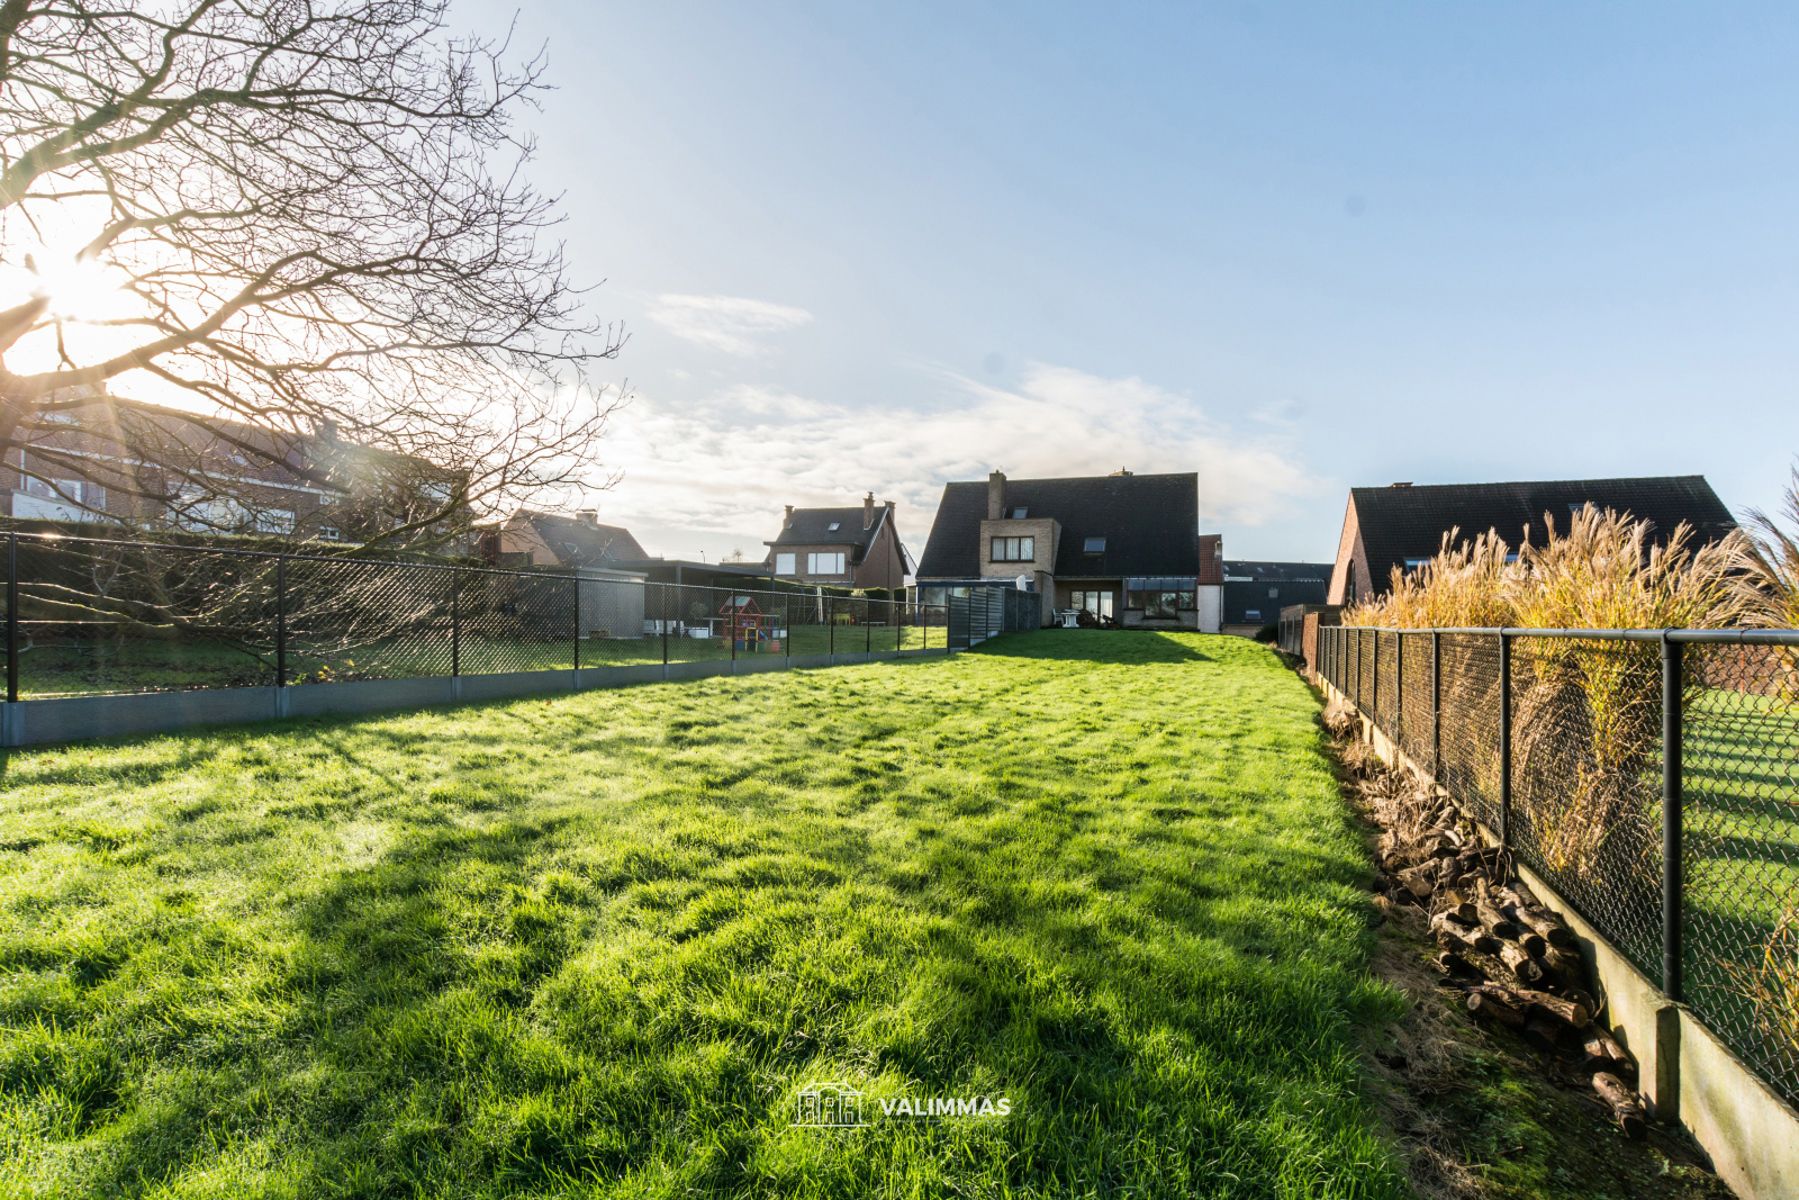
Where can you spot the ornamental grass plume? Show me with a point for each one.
(1589, 712)
(1769, 583)
(1463, 585)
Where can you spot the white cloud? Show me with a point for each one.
(733, 324)
(714, 473)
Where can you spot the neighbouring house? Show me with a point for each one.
(540, 539)
(143, 466)
(1124, 548)
(1402, 525)
(1255, 592)
(843, 547)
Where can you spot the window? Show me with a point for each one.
(80, 491)
(1097, 603)
(824, 564)
(274, 520)
(1014, 549)
(1159, 600)
(1094, 545)
(1274, 593)
(1252, 614)
(784, 564)
(1018, 514)
(1412, 564)
(330, 533)
(834, 526)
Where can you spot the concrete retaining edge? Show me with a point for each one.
(81, 718)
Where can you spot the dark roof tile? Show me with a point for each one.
(1149, 522)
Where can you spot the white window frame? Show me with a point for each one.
(825, 563)
(785, 564)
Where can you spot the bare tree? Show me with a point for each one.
(305, 221)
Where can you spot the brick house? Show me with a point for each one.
(1402, 526)
(541, 539)
(125, 463)
(1124, 548)
(846, 547)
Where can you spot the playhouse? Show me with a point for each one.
(747, 626)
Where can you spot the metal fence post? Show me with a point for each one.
(1399, 688)
(281, 621)
(12, 618)
(830, 630)
(1436, 705)
(1374, 679)
(575, 583)
(734, 625)
(662, 591)
(1505, 740)
(455, 622)
(1673, 868)
(868, 632)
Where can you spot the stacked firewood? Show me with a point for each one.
(1517, 963)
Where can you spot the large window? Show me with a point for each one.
(784, 564)
(1014, 549)
(1097, 603)
(824, 564)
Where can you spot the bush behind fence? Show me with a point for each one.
(97, 616)
(1652, 779)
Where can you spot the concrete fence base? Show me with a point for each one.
(1688, 1076)
(77, 718)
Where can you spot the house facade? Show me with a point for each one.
(1401, 526)
(122, 463)
(840, 547)
(1125, 549)
(1256, 591)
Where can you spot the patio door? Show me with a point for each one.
(1099, 603)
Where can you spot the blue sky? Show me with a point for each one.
(1292, 247)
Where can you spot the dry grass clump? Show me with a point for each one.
(1773, 984)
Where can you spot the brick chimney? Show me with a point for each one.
(787, 517)
(589, 515)
(996, 495)
(868, 511)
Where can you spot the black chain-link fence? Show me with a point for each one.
(96, 616)
(1570, 745)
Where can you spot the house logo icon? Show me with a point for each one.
(829, 1106)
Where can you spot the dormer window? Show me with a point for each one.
(834, 526)
(1094, 545)
(1018, 514)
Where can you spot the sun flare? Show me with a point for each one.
(77, 289)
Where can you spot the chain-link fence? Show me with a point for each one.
(97, 616)
(1651, 777)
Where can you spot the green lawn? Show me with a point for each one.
(596, 945)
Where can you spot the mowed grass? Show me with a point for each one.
(596, 945)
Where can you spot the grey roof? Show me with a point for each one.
(1243, 596)
(577, 542)
(1403, 522)
(812, 527)
(1150, 524)
(1295, 572)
